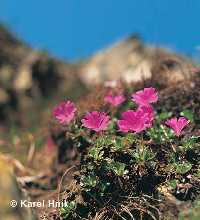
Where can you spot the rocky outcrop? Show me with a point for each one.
(132, 61)
(28, 76)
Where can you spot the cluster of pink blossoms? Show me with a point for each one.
(142, 118)
(136, 121)
(130, 121)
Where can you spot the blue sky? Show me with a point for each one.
(72, 29)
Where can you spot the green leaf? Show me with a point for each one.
(103, 141)
(117, 167)
(118, 144)
(160, 133)
(103, 186)
(130, 138)
(190, 143)
(68, 209)
(197, 174)
(188, 114)
(164, 115)
(143, 155)
(88, 182)
(96, 153)
(173, 183)
(182, 168)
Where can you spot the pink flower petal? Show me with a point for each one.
(177, 124)
(148, 111)
(114, 100)
(136, 121)
(65, 112)
(145, 97)
(96, 121)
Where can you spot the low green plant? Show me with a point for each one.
(117, 167)
(189, 143)
(143, 155)
(182, 167)
(88, 182)
(68, 209)
(160, 133)
(173, 183)
(122, 169)
(96, 153)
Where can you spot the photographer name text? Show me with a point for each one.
(38, 204)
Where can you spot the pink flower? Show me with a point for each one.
(64, 112)
(145, 97)
(148, 112)
(96, 121)
(114, 100)
(136, 121)
(177, 124)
